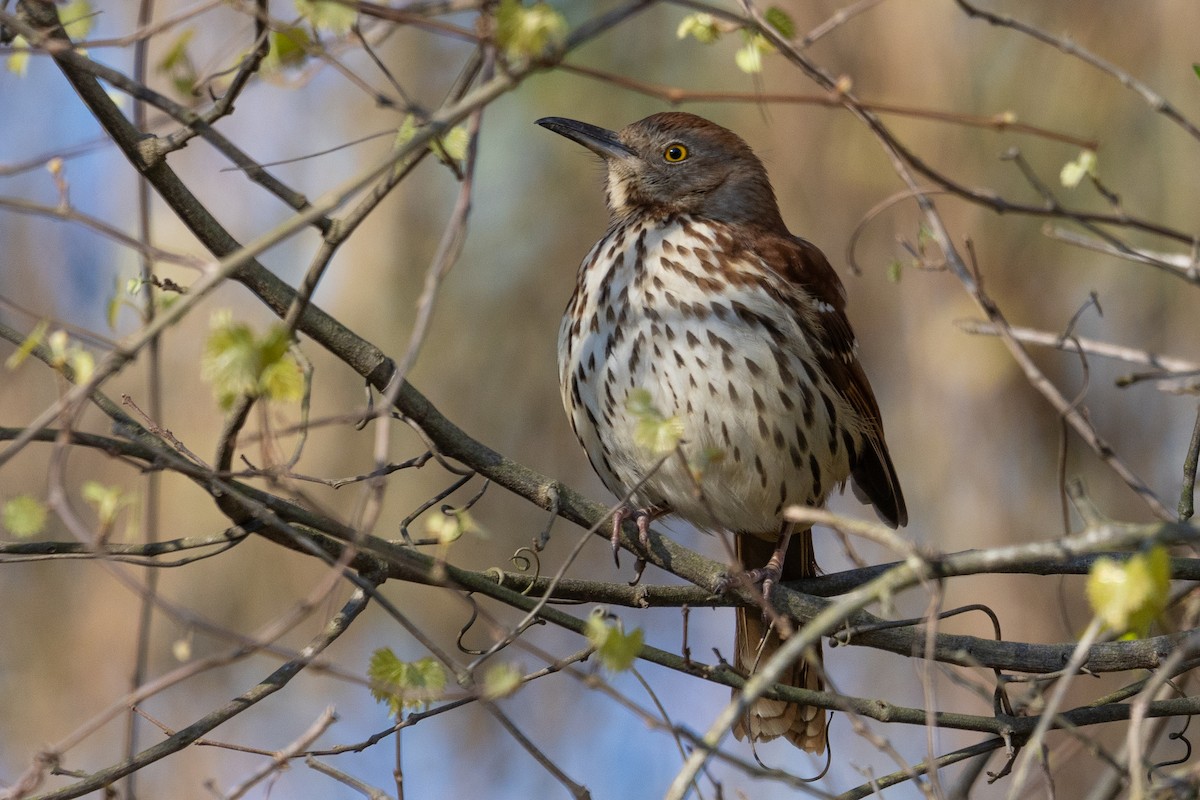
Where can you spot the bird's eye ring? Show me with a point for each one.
(675, 153)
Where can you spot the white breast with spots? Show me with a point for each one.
(723, 352)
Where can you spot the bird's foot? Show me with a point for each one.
(765, 577)
(642, 518)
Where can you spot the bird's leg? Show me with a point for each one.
(619, 516)
(769, 574)
(642, 517)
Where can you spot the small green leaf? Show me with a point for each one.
(176, 64)
(452, 525)
(1075, 171)
(748, 60)
(113, 307)
(1196, 69)
(83, 364)
(77, 19)
(653, 431)
(35, 338)
(500, 681)
(58, 344)
(1128, 596)
(528, 31)
(282, 381)
(181, 649)
(404, 684)
(70, 358)
(18, 62)
(289, 49)
(779, 19)
(617, 650)
(894, 270)
(452, 148)
(701, 27)
(324, 15)
(406, 131)
(237, 363)
(177, 53)
(24, 516)
(107, 500)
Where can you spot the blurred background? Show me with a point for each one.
(976, 448)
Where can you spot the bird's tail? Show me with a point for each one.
(803, 726)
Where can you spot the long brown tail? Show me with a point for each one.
(803, 726)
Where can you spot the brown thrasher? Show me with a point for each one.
(699, 295)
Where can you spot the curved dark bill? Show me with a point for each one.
(600, 141)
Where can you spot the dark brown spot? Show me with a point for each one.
(801, 439)
(815, 469)
(762, 472)
(782, 364)
(829, 408)
(717, 341)
(811, 372)
(809, 403)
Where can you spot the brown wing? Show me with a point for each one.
(874, 476)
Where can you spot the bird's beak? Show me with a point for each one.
(600, 141)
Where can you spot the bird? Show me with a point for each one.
(698, 299)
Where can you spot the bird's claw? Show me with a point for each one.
(764, 577)
(642, 517)
(767, 576)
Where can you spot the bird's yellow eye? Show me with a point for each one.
(675, 153)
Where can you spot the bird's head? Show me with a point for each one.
(678, 163)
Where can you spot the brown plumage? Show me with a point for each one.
(698, 295)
